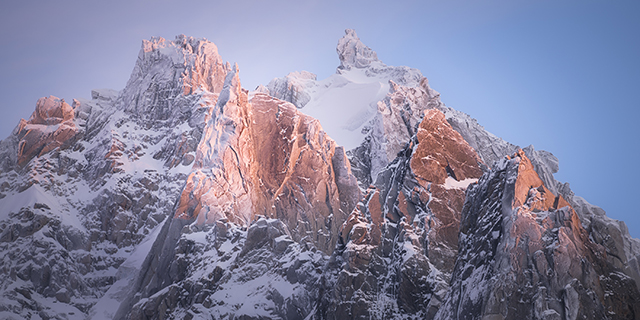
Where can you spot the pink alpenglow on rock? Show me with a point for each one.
(49, 127)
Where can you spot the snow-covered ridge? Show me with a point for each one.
(180, 193)
(345, 103)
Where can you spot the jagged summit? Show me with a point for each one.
(515, 231)
(372, 123)
(50, 126)
(166, 70)
(353, 53)
(359, 196)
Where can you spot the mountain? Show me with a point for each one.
(360, 196)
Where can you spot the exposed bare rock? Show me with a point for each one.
(398, 247)
(442, 152)
(185, 196)
(256, 158)
(263, 157)
(50, 126)
(623, 251)
(353, 53)
(524, 256)
(399, 114)
(166, 70)
(93, 180)
(375, 123)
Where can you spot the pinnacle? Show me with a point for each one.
(353, 53)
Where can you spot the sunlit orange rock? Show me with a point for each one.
(50, 126)
(263, 157)
(531, 191)
(442, 151)
(524, 251)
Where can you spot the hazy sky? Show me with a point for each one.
(561, 75)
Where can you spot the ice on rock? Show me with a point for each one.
(353, 53)
(186, 196)
(88, 183)
(167, 69)
(510, 235)
(370, 108)
(293, 88)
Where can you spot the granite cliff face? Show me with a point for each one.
(85, 187)
(261, 156)
(185, 196)
(380, 105)
(397, 249)
(524, 254)
(50, 127)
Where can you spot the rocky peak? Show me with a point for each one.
(398, 247)
(51, 110)
(263, 157)
(515, 231)
(530, 190)
(168, 69)
(257, 158)
(223, 189)
(353, 53)
(442, 152)
(397, 119)
(50, 126)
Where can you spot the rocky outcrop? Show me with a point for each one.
(50, 126)
(258, 157)
(186, 196)
(442, 152)
(353, 53)
(377, 121)
(263, 157)
(398, 248)
(525, 255)
(93, 180)
(623, 251)
(399, 114)
(166, 70)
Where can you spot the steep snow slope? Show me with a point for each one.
(353, 104)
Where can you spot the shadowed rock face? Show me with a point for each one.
(50, 126)
(525, 255)
(166, 70)
(263, 157)
(264, 219)
(258, 157)
(398, 247)
(353, 53)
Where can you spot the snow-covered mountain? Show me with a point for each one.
(359, 196)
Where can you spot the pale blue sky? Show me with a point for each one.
(561, 75)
